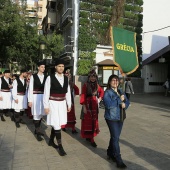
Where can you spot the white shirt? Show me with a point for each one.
(47, 91)
(14, 90)
(31, 86)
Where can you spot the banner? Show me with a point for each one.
(124, 50)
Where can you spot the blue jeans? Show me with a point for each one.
(115, 128)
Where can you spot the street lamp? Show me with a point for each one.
(42, 47)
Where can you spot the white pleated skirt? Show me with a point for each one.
(58, 114)
(22, 103)
(6, 103)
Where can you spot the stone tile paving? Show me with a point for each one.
(145, 141)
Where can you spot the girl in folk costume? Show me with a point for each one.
(35, 98)
(19, 95)
(91, 95)
(71, 118)
(5, 93)
(57, 102)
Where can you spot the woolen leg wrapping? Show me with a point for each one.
(58, 136)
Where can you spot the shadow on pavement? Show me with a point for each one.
(157, 159)
(102, 152)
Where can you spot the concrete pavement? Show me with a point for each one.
(145, 141)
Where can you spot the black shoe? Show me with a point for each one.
(94, 144)
(51, 143)
(39, 138)
(74, 132)
(63, 129)
(6, 114)
(111, 157)
(40, 133)
(21, 121)
(17, 124)
(12, 118)
(2, 119)
(61, 151)
(88, 139)
(121, 165)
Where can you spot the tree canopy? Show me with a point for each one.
(19, 39)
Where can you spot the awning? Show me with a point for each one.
(157, 55)
(106, 62)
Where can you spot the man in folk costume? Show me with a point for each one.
(19, 97)
(91, 95)
(35, 98)
(5, 94)
(71, 118)
(57, 102)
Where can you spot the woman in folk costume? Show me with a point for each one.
(19, 95)
(71, 117)
(35, 98)
(91, 95)
(5, 93)
(57, 102)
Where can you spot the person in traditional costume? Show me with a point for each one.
(28, 110)
(71, 118)
(5, 94)
(19, 95)
(35, 98)
(57, 102)
(91, 95)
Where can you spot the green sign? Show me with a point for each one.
(124, 50)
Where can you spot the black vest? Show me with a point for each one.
(37, 83)
(21, 88)
(4, 84)
(56, 87)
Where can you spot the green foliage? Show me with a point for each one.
(20, 41)
(50, 42)
(85, 62)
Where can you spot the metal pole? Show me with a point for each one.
(76, 32)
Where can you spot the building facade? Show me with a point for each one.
(156, 45)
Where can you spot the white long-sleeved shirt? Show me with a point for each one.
(7, 80)
(14, 90)
(31, 86)
(47, 91)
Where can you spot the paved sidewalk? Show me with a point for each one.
(145, 141)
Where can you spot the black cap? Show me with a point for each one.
(40, 63)
(23, 71)
(59, 61)
(7, 71)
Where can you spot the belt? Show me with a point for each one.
(5, 90)
(57, 98)
(38, 92)
(22, 94)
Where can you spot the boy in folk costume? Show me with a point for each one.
(71, 118)
(92, 93)
(35, 98)
(5, 94)
(57, 102)
(19, 97)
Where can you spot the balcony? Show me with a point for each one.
(67, 17)
(67, 53)
(59, 27)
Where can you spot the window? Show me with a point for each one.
(106, 75)
(39, 9)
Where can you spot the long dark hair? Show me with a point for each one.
(113, 76)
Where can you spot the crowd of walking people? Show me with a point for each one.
(53, 96)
